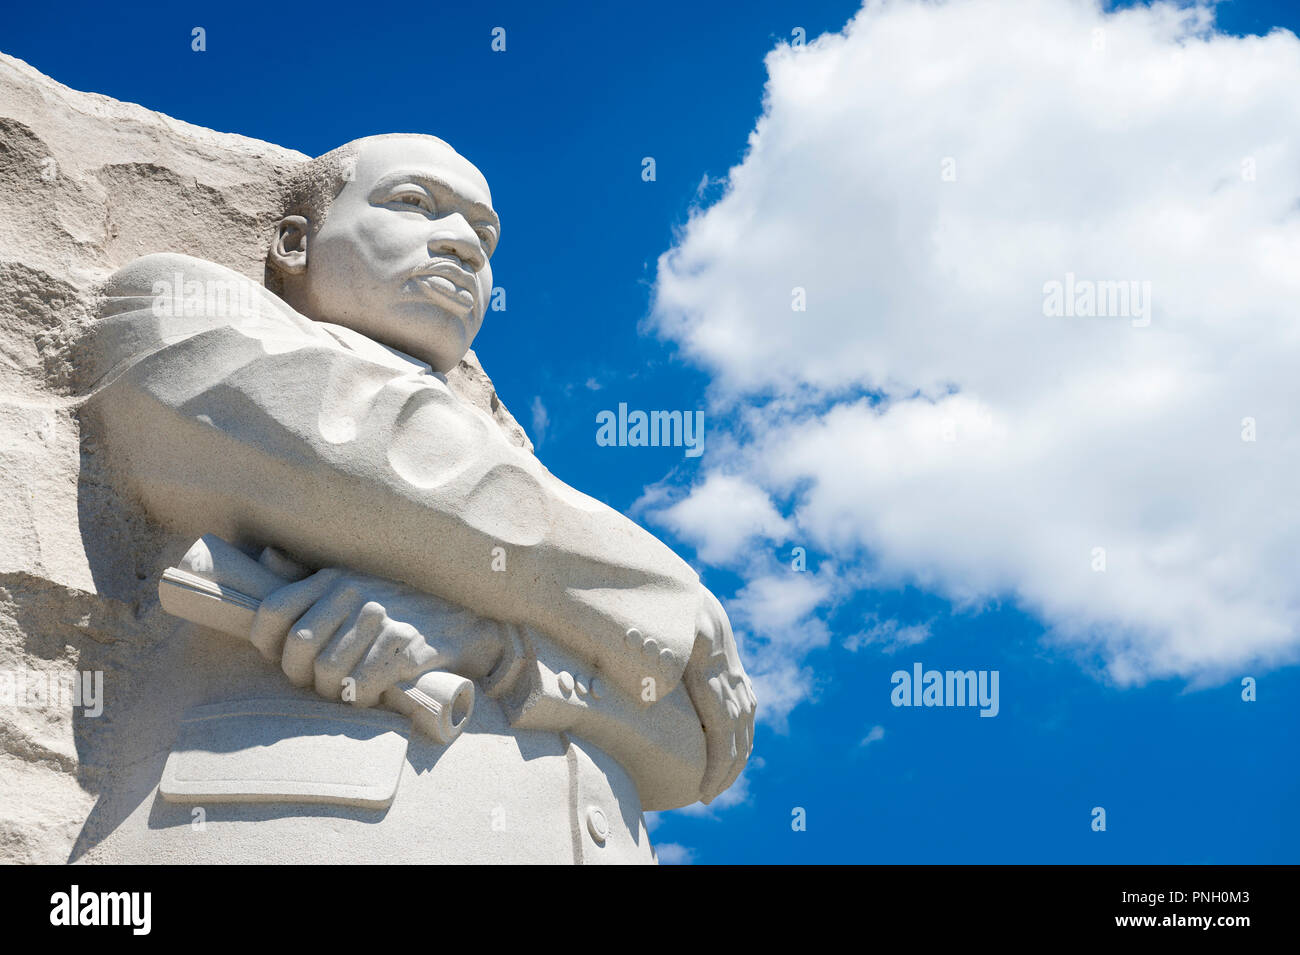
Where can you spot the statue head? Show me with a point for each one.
(391, 236)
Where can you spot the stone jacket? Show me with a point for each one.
(227, 412)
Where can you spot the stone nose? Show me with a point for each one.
(453, 236)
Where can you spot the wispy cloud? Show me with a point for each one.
(541, 420)
(736, 795)
(672, 853)
(889, 635)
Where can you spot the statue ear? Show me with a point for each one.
(289, 249)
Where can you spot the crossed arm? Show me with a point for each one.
(286, 437)
(337, 628)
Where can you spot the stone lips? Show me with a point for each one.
(87, 184)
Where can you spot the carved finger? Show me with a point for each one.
(733, 772)
(743, 729)
(743, 746)
(719, 738)
(722, 756)
(387, 662)
(315, 629)
(745, 721)
(348, 648)
(279, 610)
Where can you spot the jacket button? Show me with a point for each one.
(565, 679)
(597, 824)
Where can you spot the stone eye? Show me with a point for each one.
(411, 199)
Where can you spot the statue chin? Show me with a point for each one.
(297, 421)
(442, 352)
(433, 336)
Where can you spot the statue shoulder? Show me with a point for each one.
(172, 285)
(166, 297)
(138, 276)
(162, 276)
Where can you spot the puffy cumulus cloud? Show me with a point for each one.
(779, 617)
(932, 184)
(719, 518)
(778, 606)
(781, 684)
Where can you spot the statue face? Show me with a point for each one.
(402, 256)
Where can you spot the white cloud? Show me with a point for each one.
(890, 635)
(874, 735)
(781, 684)
(721, 516)
(672, 853)
(1001, 445)
(735, 795)
(541, 419)
(779, 606)
(778, 619)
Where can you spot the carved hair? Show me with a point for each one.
(316, 183)
(313, 187)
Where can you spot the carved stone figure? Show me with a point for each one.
(363, 528)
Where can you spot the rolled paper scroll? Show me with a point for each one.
(220, 587)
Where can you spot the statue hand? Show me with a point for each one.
(723, 697)
(336, 626)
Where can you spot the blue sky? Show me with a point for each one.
(559, 123)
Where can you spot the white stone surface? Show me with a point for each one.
(345, 426)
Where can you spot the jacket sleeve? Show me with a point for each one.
(265, 429)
